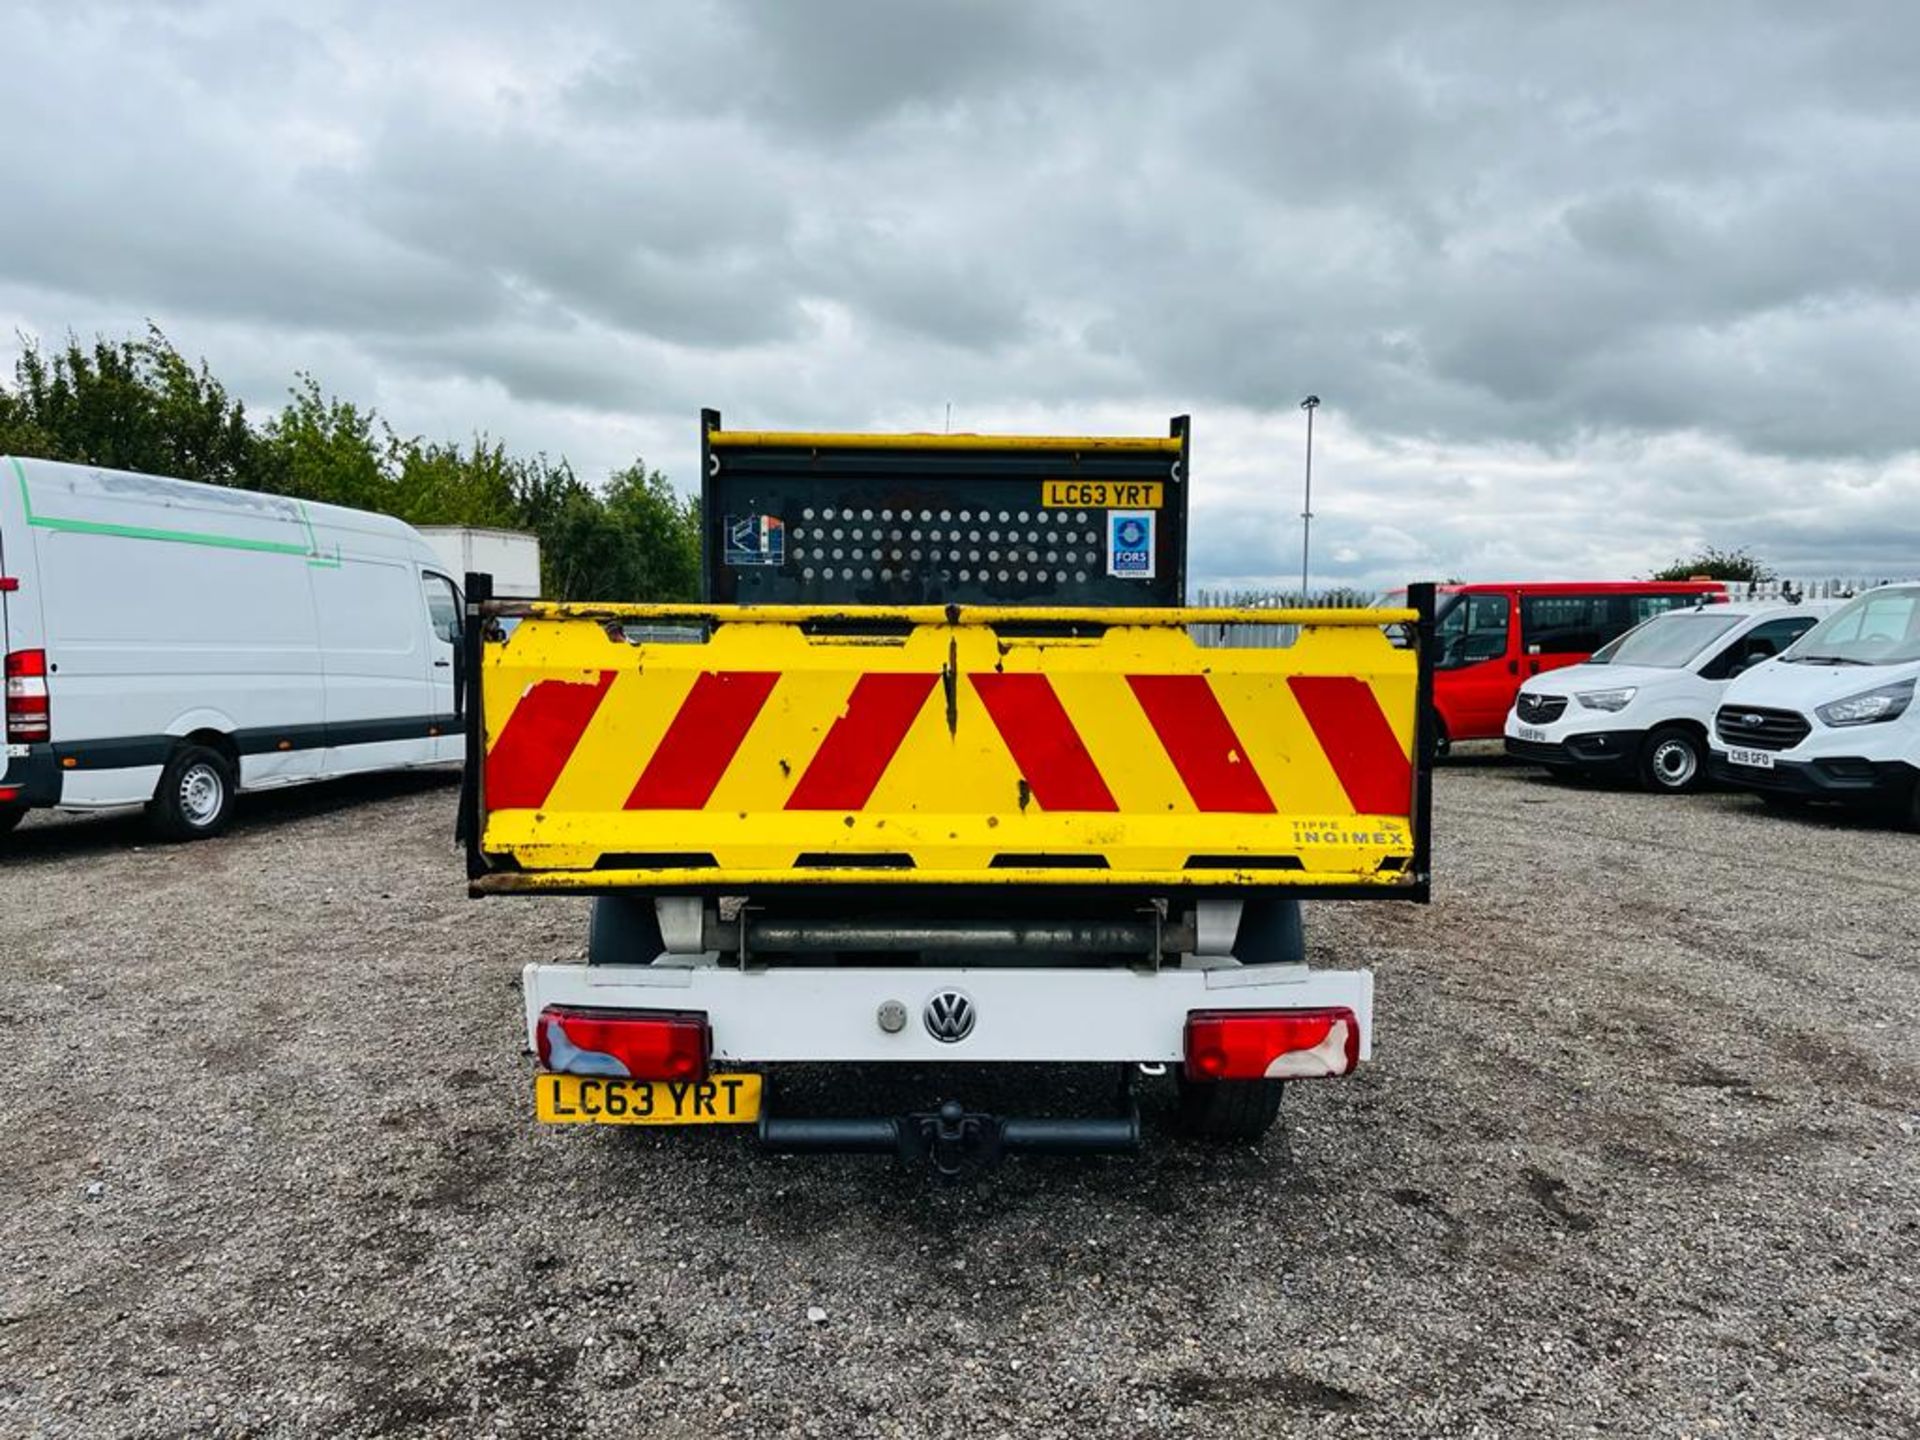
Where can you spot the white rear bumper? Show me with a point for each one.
(827, 1014)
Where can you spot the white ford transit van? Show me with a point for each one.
(167, 644)
(1833, 718)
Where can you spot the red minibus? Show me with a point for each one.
(1493, 636)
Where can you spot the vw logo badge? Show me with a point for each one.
(949, 1016)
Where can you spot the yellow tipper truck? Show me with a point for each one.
(942, 772)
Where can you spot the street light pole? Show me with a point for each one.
(1310, 404)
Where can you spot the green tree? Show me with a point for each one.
(1715, 564)
(137, 404)
(662, 530)
(436, 484)
(127, 405)
(639, 541)
(327, 449)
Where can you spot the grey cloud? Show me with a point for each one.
(824, 70)
(1525, 252)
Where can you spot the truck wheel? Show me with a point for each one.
(1272, 932)
(624, 930)
(1227, 1111)
(194, 800)
(1673, 760)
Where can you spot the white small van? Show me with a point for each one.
(1834, 718)
(1643, 706)
(167, 644)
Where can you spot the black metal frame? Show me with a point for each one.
(477, 592)
(1421, 597)
(924, 462)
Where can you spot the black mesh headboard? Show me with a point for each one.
(932, 519)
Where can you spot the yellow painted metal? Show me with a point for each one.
(1026, 616)
(584, 882)
(952, 799)
(806, 440)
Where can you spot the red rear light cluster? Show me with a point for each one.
(28, 718)
(639, 1044)
(1271, 1044)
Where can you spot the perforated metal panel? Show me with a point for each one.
(937, 519)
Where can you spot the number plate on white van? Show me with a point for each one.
(1755, 759)
(1527, 732)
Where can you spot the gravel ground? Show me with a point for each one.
(1637, 1156)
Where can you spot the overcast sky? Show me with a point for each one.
(1582, 287)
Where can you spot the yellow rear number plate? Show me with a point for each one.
(1101, 494)
(599, 1100)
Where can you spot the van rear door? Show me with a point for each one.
(443, 649)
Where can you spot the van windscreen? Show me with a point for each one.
(1666, 642)
(1879, 628)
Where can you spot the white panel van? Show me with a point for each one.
(1643, 705)
(1834, 718)
(168, 644)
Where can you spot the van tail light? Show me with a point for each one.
(1271, 1044)
(28, 718)
(637, 1044)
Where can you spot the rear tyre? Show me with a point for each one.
(1227, 1112)
(1673, 760)
(10, 816)
(194, 800)
(624, 930)
(1272, 932)
(1442, 745)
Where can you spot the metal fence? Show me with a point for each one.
(1263, 637)
(1269, 637)
(1824, 589)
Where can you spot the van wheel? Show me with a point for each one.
(624, 930)
(1272, 932)
(1672, 761)
(195, 797)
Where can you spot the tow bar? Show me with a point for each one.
(953, 1137)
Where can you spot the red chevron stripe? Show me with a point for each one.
(1366, 755)
(862, 741)
(538, 740)
(1047, 749)
(702, 740)
(1199, 739)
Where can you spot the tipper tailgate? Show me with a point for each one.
(775, 746)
